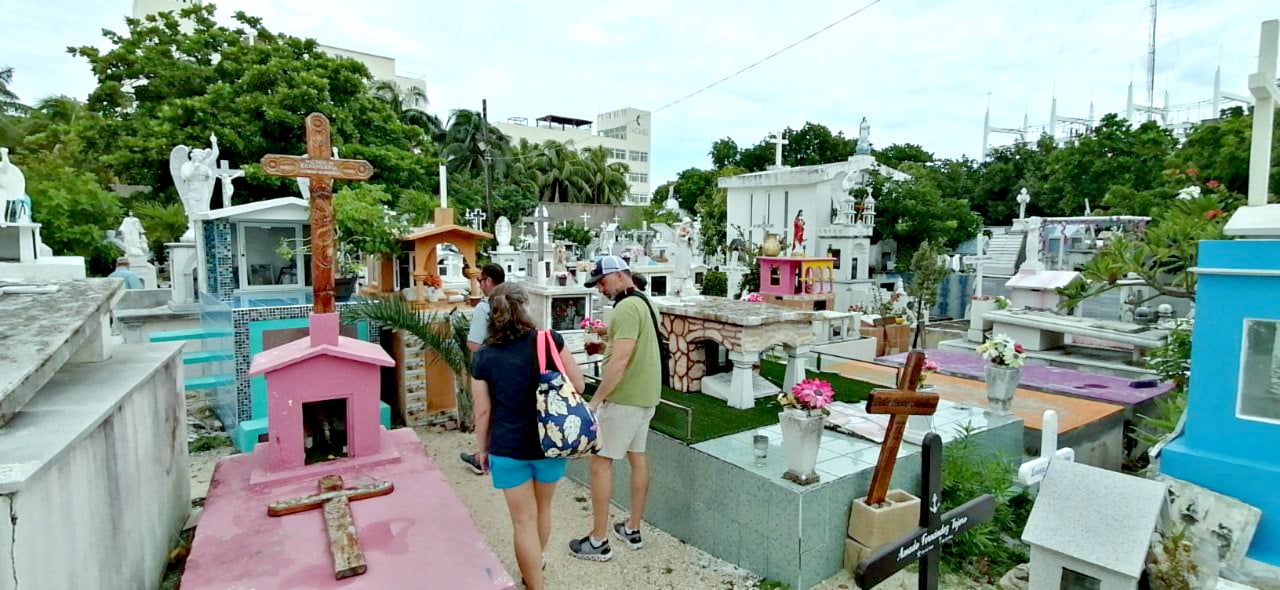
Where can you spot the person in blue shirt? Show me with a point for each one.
(131, 280)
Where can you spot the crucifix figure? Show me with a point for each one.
(925, 543)
(321, 168)
(1033, 471)
(899, 404)
(226, 174)
(344, 543)
(778, 142)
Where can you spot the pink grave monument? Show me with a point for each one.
(798, 281)
(387, 514)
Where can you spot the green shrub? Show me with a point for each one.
(989, 550)
(715, 284)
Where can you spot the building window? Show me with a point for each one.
(1260, 371)
(637, 177)
(639, 156)
(618, 154)
(615, 132)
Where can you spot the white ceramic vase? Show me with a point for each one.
(801, 436)
(1002, 382)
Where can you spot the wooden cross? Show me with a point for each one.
(925, 542)
(898, 403)
(344, 543)
(1033, 471)
(321, 168)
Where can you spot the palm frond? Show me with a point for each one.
(433, 329)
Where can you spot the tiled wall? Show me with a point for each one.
(218, 259)
(241, 320)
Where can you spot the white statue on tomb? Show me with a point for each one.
(1023, 198)
(983, 240)
(194, 172)
(671, 204)
(851, 181)
(502, 231)
(13, 187)
(864, 138)
(133, 237)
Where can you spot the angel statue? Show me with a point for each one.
(194, 175)
(13, 187)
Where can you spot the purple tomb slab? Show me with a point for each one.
(1069, 382)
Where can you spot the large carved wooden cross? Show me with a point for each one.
(322, 168)
(924, 544)
(344, 544)
(898, 403)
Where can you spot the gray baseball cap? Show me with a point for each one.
(604, 266)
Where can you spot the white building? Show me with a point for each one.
(381, 67)
(768, 202)
(625, 132)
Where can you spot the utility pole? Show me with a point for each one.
(1151, 63)
(488, 165)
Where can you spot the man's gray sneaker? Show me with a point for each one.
(631, 538)
(584, 548)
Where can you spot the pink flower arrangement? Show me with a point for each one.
(810, 394)
(755, 298)
(928, 368)
(590, 324)
(1213, 184)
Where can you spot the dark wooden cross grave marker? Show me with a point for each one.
(322, 168)
(899, 404)
(344, 544)
(925, 543)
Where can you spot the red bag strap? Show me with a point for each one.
(547, 342)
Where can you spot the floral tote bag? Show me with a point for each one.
(566, 427)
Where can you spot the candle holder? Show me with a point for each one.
(761, 444)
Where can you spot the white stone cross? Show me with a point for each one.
(616, 219)
(778, 142)
(1262, 84)
(226, 174)
(586, 218)
(1023, 198)
(1033, 471)
(476, 217)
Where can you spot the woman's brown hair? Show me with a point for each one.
(508, 314)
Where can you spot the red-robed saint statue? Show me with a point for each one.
(797, 230)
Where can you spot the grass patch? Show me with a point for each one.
(208, 443)
(713, 418)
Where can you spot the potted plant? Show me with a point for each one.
(596, 329)
(1006, 358)
(928, 368)
(801, 418)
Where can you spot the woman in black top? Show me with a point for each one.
(504, 385)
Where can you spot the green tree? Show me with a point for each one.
(73, 208)
(1112, 155)
(605, 182)
(927, 272)
(574, 232)
(409, 103)
(812, 144)
(911, 212)
(10, 109)
(472, 145)
(164, 223)
(365, 223)
(1008, 170)
(559, 173)
(159, 87)
(895, 155)
(1219, 150)
(724, 153)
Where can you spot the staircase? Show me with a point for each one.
(194, 381)
(1004, 254)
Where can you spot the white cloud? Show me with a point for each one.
(920, 70)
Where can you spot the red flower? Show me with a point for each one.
(1214, 214)
(1018, 348)
(1213, 184)
(1192, 171)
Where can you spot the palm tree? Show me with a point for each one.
(50, 123)
(444, 334)
(559, 172)
(10, 110)
(409, 104)
(606, 181)
(469, 140)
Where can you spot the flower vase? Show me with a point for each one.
(1002, 382)
(582, 277)
(801, 436)
(772, 246)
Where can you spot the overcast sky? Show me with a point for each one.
(919, 70)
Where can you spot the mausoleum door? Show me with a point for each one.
(260, 266)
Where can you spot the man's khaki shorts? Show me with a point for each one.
(622, 429)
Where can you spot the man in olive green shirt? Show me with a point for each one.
(624, 404)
